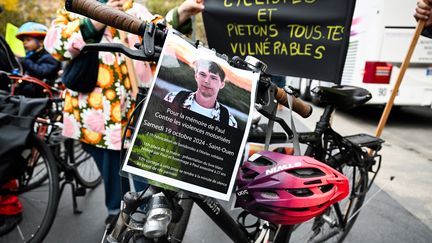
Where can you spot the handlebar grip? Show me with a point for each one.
(107, 15)
(300, 107)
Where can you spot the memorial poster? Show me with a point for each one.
(192, 130)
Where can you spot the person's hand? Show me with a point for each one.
(424, 11)
(117, 4)
(189, 8)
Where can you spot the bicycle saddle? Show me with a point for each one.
(342, 96)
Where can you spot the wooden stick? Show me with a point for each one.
(129, 63)
(404, 66)
(130, 67)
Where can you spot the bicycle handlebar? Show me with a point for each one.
(107, 15)
(298, 106)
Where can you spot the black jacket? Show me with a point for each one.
(7, 58)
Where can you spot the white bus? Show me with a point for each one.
(381, 32)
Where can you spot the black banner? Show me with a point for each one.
(301, 38)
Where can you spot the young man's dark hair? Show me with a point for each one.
(212, 67)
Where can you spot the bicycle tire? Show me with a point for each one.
(85, 170)
(39, 200)
(327, 227)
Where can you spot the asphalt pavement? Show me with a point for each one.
(382, 220)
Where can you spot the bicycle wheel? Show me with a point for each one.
(39, 199)
(329, 227)
(86, 172)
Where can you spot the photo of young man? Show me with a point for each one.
(210, 79)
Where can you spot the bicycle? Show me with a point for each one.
(73, 165)
(76, 167)
(356, 156)
(40, 197)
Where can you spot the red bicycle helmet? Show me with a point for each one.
(287, 189)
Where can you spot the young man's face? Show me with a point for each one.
(30, 43)
(208, 83)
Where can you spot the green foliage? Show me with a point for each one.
(18, 12)
(161, 7)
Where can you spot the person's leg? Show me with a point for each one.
(107, 162)
(116, 184)
(139, 183)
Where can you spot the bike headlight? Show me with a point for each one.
(158, 217)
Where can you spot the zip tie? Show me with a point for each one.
(264, 233)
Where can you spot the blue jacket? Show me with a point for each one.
(41, 65)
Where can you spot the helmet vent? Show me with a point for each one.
(249, 174)
(262, 209)
(298, 209)
(306, 172)
(321, 205)
(301, 192)
(269, 195)
(313, 182)
(262, 162)
(326, 188)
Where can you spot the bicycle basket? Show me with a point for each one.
(16, 123)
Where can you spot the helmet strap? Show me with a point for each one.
(296, 143)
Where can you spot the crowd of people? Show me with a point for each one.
(98, 118)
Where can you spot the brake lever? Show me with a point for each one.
(268, 104)
(118, 47)
(146, 51)
(279, 120)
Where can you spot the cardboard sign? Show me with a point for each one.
(301, 38)
(15, 44)
(192, 130)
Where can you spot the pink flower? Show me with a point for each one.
(69, 128)
(95, 121)
(74, 46)
(50, 39)
(115, 138)
(108, 58)
(143, 72)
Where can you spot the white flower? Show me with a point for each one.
(106, 108)
(107, 58)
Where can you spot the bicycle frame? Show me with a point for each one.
(222, 219)
(215, 211)
(211, 207)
